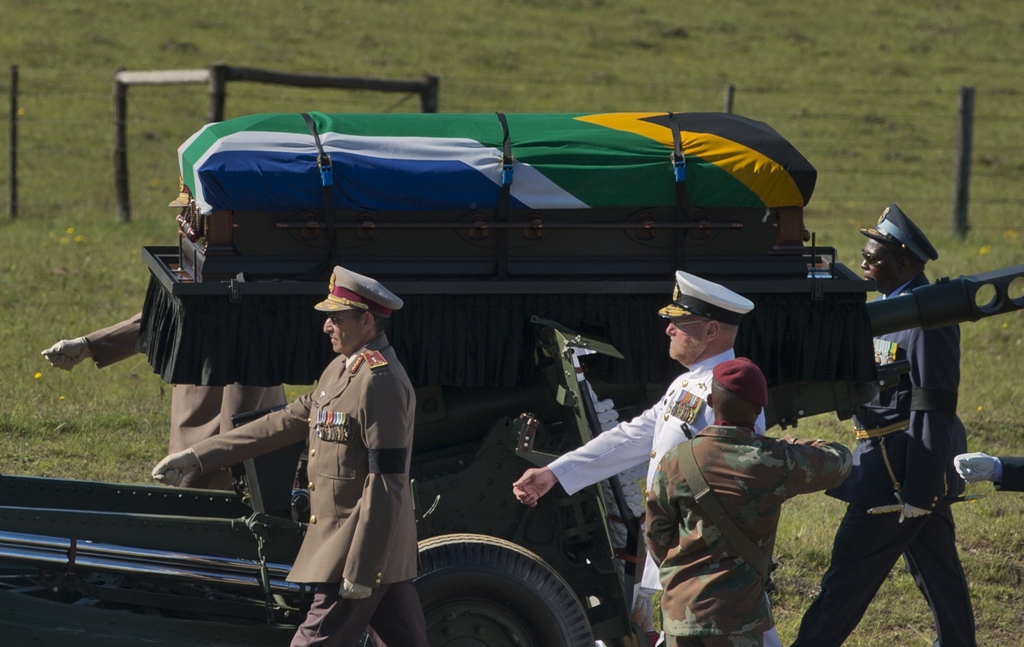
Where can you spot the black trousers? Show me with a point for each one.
(393, 612)
(865, 549)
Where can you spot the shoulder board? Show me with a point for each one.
(374, 359)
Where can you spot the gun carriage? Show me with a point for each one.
(532, 252)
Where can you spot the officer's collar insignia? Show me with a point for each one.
(356, 363)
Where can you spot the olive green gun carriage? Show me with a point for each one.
(532, 252)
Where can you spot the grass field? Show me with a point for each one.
(867, 90)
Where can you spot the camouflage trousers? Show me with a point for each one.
(733, 640)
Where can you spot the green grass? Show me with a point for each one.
(867, 90)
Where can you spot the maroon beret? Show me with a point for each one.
(743, 378)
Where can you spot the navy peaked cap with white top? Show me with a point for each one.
(895, 228)
(697, 297)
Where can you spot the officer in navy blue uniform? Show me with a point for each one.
(907, 437)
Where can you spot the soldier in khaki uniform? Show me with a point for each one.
(360, 545)
(197, 412)
(714, 597)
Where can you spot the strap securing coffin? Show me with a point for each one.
(682, 199)
(323, 162)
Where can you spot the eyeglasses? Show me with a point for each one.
(874, 260)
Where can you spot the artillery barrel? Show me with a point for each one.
(55, 552)
(947, 302)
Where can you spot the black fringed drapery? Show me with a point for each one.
(486, 340)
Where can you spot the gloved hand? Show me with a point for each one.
(67, 353)
(173, 468)
(353, 591)
(910, 511)
(975, 467)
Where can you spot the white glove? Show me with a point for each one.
(67, 353)
(173, 468)
(353, 591)
(975, 467)
(910, 511)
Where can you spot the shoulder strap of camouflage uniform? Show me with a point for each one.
(705, 496)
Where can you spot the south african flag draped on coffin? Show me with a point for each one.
(427, 162)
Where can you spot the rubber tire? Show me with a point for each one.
(472, 585)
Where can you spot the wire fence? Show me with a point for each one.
(867, 153)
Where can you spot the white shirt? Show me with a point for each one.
(675, 418)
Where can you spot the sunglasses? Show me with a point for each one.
(338, 318)
(680, 322)
(874, 260)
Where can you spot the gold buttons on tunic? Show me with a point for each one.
(312, 518)
(653, 454)
(312, 452)
(312, 486)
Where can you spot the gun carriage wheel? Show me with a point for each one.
(479, 591)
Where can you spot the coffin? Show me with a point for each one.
(481, 222)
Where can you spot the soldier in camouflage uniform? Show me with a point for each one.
(712, 596)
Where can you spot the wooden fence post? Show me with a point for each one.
(962, 171)
(730, 92)
(217, 92)
(12, 187)
(121, 149)
(428, 97)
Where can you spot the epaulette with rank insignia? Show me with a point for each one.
(374, 359)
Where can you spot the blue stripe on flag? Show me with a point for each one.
(285, 181)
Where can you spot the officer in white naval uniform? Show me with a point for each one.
(703, 321)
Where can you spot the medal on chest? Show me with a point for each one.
(687, 407)
(332, 426)
(885, 351)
